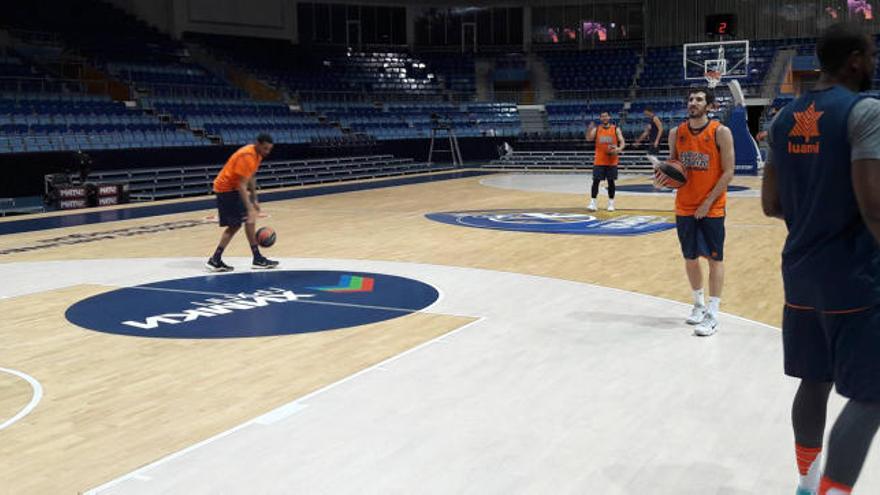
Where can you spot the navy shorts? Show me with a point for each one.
(230, 209)
(604, 172)
(843, 348)
(703, 237)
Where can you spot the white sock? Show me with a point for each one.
(699, 300)
(610, 202)
(714, 304)
(811, 480)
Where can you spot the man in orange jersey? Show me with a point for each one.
(609, 143)
(236, 191)
(823, 178)
(705, 148)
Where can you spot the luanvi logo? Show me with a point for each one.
(806, 126)
(72, 239)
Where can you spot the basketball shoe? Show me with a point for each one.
(698, 314)
(217, 266)
(264, 263)
(707, 327)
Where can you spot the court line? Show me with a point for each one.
(169, 207)
(276, 414)
(35, 397)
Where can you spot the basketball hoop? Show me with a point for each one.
(713, 78)
(714, 70)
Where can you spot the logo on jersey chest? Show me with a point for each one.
(694, 160)
(806, 127)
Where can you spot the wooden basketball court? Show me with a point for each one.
(112, 404)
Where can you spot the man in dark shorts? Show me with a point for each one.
(705, 147)
(236, 191)
(653, 131)
(823, 178)
(609, 144)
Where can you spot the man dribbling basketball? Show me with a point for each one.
(705, 148)
(236, 191)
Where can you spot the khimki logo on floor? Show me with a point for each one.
(209, 308)
(252, 304)
(225, 305)
(561, 221)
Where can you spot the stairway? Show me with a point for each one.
(533, 118)
(540, 79)
(254, 87)
(483, 67)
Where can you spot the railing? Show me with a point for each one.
(42, 37)
(481, 49)
(174, 90)
(453, 96)
(519, 97)
(378, 96)
(679, 91)
(23, 85)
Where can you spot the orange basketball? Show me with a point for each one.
(670, 173)
(265, 236)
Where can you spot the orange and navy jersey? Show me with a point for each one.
(831, 261)
(699, 153)
(605, 137)
(243, 164)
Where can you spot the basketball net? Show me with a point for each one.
(713, 78)
(714, 70)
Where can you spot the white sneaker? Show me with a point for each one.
(592, 206)
(698, 314)
(707, 327)
(611, 205)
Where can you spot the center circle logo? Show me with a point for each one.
(561, 221)
(252, 304)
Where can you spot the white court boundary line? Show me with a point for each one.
(272, 416)
(35, 397)
(750, 192)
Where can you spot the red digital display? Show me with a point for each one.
(721, 25)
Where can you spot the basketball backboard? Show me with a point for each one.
(724, 59)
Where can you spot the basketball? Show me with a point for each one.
(670, 173)
(265, 236)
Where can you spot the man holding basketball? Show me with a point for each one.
(705, 149)
(236, 191)
(609, 143)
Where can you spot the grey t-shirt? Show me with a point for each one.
(863, 128)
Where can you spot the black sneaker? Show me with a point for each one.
(264, 263)
(217, 266)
